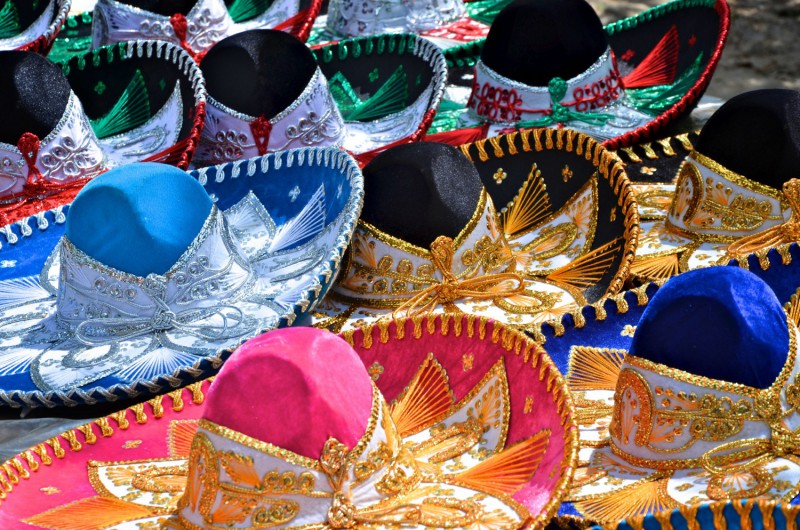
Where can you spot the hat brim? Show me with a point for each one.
(405, 77)
(69, 479)
(41, 43)
(698, 30)
(327, 188)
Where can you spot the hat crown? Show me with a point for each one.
(128, 218)
(258, 72)
(280, 388)
(723, 323)
(163, 8)
(534, 41)
(39, 92)
(757, 135)
(421, 191)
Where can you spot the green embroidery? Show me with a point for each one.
(485, 11)
(562, 114)
(656, 12)
(9, 21)
(656, 99)
(242, 10)
(131, 110)
(446, 118)
(391, 97)
(162, 84)
(100, 87)
(374, 75)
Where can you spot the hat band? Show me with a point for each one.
(207, 23)
(374, 17)
(313, 119)
(717, 205)
(667, 419)
(103, 306)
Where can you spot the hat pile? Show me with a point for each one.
(382, 268)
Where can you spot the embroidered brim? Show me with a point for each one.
(132, 466)
(747, 513)
(387, 88)
(292, 214)
(695, 30)
(293, 17)
(27, 26)
(135, 101)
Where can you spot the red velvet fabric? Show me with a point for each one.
(293, 388)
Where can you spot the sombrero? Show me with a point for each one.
(732, 195)
(31, 26)
(494, 448)
(747, 513)
(194, 25)
(67, 124)
(563, 238)
(552, 64)
(450, 24)
(673, 413)
(138, 292)
(361, 94)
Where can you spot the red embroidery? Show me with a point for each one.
(628, 55)
(495, 103)
(37, 187)
(692, 40)
(463, 30)
(261, 129)
(597, 94)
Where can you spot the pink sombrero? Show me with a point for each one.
(474, 427)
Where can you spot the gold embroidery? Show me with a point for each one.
(787, 232)
(566, 173)
(499, 175)
(375, 370)
(466, 361)
(594, 368)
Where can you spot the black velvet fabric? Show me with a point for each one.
(258, 72)
(756, 134)
(533, 41)
(420, 191)
(34, 93)
(163, 7)
(722, 322)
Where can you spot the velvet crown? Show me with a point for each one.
(721, 322)
(421, 191)
(756, 134)
(139, 218)
(279, 388)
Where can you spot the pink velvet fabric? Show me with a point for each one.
(401, 358)
(293, 388)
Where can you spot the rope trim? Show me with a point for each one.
(329, 158)
(662, 148)
(44, 42)
(21, 467)
(511, 340)
(567, 140)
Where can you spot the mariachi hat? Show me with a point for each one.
(674, 414)
(297, 429)
(546, 253)
(194, 25)
(746, 513)
(450, 24)
(361, 94)
(69, 123)
(137, 292)
(31, 26)
(552, 64)
(733, 195)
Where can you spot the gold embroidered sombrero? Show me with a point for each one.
(430, 239)
(733, 194)
(678, 414)
(329, 444)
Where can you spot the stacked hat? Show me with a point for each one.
(154, 277)
(552, 64)
(110, 107)
(734, 194)
(431, 240)
(298, 429)
(363, 94)
(31, 26)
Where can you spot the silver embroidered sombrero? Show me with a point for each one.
(31, 26)
(363, 94)
(140, 295)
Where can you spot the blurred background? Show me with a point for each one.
(763, 49)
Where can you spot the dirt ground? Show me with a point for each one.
(763, 49)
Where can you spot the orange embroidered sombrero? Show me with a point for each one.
(449, 438)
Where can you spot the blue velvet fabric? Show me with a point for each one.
(724, 323)
(139, 218)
